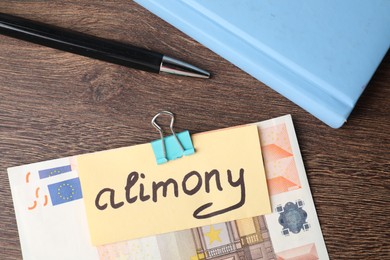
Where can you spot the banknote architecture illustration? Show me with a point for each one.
(240, 239)
(50, 210)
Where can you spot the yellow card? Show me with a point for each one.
(127, 195)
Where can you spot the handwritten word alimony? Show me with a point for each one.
(134, 190)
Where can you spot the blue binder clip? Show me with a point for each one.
(173, 146)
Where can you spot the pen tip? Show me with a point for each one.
(181, 68)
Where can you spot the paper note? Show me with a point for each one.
(49, 230)
(127, 195)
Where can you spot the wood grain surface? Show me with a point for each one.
(55, 104)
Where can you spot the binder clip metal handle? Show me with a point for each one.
(171, 147)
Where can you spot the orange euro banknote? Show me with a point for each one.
(53, 225)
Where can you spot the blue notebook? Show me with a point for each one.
(319, 54)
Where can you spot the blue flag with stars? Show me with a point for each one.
(65, 191)
(54, 171)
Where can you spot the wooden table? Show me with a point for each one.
(55, 104)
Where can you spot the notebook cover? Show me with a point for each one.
(319, 54)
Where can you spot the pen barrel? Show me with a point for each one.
(79, 43)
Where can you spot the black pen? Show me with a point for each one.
(95, 47)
